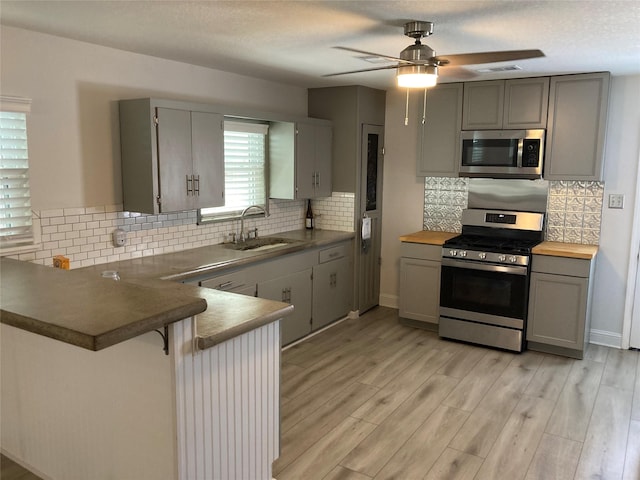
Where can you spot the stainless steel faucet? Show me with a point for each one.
(242, 235)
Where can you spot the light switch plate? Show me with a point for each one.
(616, 200)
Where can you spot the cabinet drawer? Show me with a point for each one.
(333, 253)
(226, 282)
(421, 250)
(573, 267)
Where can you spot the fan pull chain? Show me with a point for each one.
(406, 111)
(424, 108)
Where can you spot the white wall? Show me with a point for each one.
(615, 254)
(404, 197)
(403, 191)
(73, 128)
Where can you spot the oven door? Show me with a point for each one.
(484, 292)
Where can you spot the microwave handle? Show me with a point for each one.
(520, 152)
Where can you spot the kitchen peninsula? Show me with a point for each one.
(87, 391)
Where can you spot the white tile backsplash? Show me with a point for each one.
(83, 234)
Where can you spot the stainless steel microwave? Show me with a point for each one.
(502, 153)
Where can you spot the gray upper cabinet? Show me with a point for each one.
(577, 126)
(526, 102)
(172, 156)
(439, 135)
(300, 159)
(483, 105)
(506, 104)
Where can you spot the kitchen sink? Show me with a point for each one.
(259, 244)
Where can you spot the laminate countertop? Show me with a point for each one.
(428, 237)
(568, 250)
(82, 308)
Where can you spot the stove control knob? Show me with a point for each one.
(502, 258)
(463, 253)
(482, 255)
(512, 259)
(453, 253)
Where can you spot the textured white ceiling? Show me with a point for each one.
(290, 40)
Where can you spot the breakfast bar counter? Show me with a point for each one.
(87, 391)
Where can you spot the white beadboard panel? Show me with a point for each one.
(227, 402)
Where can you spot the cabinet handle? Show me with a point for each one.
(225, 285)
(196, 185)
(317, 179)
(189, 186)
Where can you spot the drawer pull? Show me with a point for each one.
(225, 285)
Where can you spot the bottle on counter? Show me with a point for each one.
(308, 220)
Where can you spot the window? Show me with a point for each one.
(244, 170)
(16, 225)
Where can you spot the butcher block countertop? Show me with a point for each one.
(568, 250)
(428, 237)
(81, 308)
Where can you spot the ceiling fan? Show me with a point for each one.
(418, 64)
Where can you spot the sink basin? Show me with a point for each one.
(259, 244)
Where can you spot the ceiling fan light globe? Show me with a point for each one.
(417, 76)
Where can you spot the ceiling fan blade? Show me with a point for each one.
(373, 54)
(388, 67)
(489, 57)
(456, 72)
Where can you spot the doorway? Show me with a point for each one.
(370, 217)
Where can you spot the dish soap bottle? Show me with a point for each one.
(308, 220)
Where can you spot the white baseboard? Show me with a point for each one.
(390, 301)
(607, 339)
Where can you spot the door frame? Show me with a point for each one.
(631, 320)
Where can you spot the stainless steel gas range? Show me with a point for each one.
(484, 282)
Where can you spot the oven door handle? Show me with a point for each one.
(487, 267)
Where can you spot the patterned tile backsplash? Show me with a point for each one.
(444, 200)
(574, 208)
(84, 234)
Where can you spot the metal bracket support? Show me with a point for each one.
(165, 339)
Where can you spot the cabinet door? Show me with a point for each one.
(483, 105)
(526, 103)
(174, 159)
(557, 310)
(331, 292)
(296, 290)
(577, 126)
(420, 290)
(208, 159)
(305, 161)
(439, 148)
(323, 137)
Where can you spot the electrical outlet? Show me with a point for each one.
(616, 200)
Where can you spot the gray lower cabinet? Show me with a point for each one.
(318, 282)
(295, 289)
(332, 286)
(559, 305)
(235, 282)
(419, 297)
(576, 127)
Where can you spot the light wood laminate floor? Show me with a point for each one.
(372, 399)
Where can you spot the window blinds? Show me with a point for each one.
(15, 202)
(244, 168)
